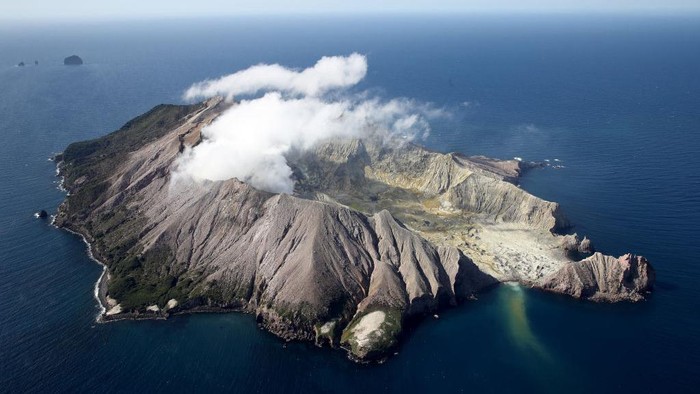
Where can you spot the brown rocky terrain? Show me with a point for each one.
(375, 233)
(603, 278)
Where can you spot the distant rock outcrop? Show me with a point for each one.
(73, 60)
(20, 64)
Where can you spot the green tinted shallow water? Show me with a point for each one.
(614, 98)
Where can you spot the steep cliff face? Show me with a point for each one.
(375, 232)
(603, 278)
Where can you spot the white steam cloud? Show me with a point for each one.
(328, 73)
(250, 140)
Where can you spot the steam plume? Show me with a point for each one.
(328, 73)
(250, 140)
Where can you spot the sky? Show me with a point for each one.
(145, 9)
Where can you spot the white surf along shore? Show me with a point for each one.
(100, 281)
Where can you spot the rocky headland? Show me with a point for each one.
(375, 234)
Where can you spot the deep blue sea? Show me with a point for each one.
(616, 99)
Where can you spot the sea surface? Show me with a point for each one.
(615, 99)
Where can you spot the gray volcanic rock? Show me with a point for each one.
(375, 233)
(575, 247)
(585, 246)
(603, 278)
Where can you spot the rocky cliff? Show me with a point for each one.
(376, 232)
(603, 278)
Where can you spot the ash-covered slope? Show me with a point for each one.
(375, 233)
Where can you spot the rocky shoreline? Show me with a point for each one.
(100, 292)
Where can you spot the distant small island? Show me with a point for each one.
(73, 60)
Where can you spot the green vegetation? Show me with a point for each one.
(88, 194)
(295, 312)
(145, 280)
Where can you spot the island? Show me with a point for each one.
(73, 60)
(374, 236)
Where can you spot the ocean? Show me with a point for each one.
(615, 99)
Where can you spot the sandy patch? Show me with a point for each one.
(111, 302)
(326, 328)
(172, 303)
(369, 324)
(117, 309)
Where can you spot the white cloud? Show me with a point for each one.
(330, 72)
(251, 139)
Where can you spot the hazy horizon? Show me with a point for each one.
(85, 10)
